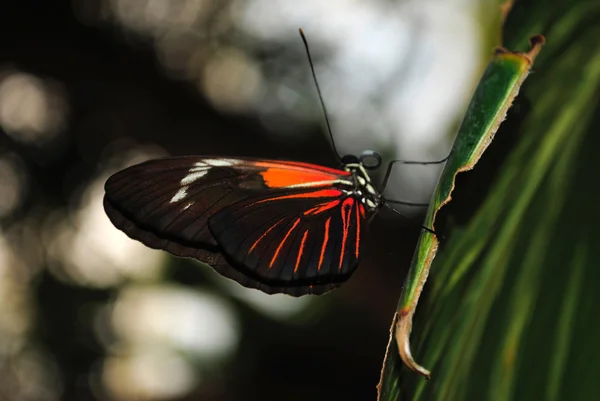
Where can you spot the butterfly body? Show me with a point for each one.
(279, 226)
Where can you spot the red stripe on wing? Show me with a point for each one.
(346, 211)
(322, 208)
(324, 193)
(283, 242)
(300, 251)
(264, 235)
(359, 212)
(325, 240)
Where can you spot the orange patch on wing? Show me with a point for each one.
(300, 251)
(288, 165)
(284, 177)
(283, 242)
(325, 240)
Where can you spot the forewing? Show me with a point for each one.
(167, 204)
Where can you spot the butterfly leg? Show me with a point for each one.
(404, 217)
(388, 170)
(406, 203)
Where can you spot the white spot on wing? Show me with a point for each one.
(221, 162)
(181, 194)
(187, 206)
(194, 175)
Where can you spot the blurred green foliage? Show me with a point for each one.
(509, 309)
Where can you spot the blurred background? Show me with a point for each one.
(88, 87)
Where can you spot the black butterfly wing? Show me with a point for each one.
(281, 227)
(305, 242)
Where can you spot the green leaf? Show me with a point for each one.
(494, 95)
(510, 309)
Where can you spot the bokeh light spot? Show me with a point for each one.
(231, 80)
(195, 322)
(31, 110)
(148, 373)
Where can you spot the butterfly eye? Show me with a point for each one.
(350, 159)
(370, 159)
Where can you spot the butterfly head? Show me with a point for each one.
(369, 159)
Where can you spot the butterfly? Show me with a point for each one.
(278, 226)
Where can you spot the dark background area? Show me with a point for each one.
(120, 100)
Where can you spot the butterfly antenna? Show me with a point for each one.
(312, 69)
